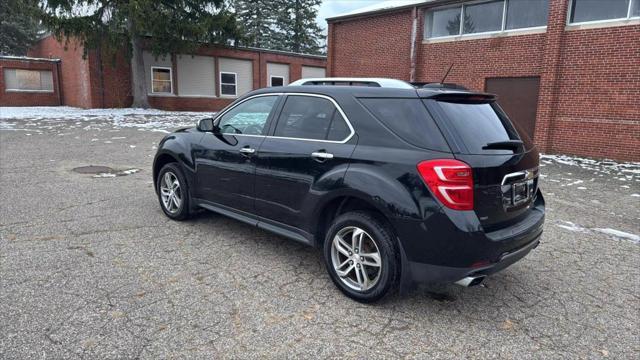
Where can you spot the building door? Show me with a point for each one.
(519, 99)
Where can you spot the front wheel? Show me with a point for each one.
(173, 192)
(361, 257)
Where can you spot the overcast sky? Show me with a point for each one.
(331, 8)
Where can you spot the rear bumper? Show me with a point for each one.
(455, 246)
(426, 273)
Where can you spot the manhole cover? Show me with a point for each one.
(93, 169)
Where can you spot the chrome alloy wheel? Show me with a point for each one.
(356, 258)
(170, 192)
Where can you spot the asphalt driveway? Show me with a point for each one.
(90, 267)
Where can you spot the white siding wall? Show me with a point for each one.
(243, 69)
(149, 61)
(281, 70)
(196, 75)
(313, 72)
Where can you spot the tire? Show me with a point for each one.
(181, 211)
(382, 280)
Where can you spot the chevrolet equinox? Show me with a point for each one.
(397, 186)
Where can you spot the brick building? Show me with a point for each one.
(58, 74)
(568, 71)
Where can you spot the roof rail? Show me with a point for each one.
(354, 81)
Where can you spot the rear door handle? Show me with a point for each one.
(322, 155)
(247, 150)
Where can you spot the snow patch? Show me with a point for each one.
(568, 225)
(620, 234)
(623, 171)
(54, 118)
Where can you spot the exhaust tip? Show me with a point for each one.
(470, 281)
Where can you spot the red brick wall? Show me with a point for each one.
(372, 46)
(598, 107)
(25, 98)
(74, 69)
(589, 79)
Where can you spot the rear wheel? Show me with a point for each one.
(361, 257)
(173, 192)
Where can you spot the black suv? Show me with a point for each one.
(398, 186)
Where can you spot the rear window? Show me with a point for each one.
(478, 124)
(409, 119)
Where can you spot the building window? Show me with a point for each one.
(161, 80)
(596, 10)
(228, 84)
(276, 81)
(28, 80)
(486, 17)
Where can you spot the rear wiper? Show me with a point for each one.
(504, 145)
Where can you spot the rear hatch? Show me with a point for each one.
(503, 158)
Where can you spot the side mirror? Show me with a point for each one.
(206, 125)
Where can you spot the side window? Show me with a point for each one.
(307, 117)
(338, 130)
(248, 118)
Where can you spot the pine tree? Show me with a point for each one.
(298, 30)
(167, 26)
(18, 26)
(256, 20)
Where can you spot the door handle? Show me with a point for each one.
(322, 155)
(247, 150)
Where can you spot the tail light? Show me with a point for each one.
(451, 181)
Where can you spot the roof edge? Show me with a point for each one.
(375, 11)
(27, 58)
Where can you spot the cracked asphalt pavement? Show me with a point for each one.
(91, 268)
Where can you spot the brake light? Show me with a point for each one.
(451, 181)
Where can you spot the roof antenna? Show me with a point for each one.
(447, 74)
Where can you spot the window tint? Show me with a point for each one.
(526, 13)
(478, 124)
(250, 117)
(592, 10)
(409, 119)
(635, 8)
(483, 17)
(443, 22)
(306, 117)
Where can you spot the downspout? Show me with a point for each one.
(59, 85)
(260, 69)
(414, 35)
(101, 74)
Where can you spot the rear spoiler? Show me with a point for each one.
(465, 98)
